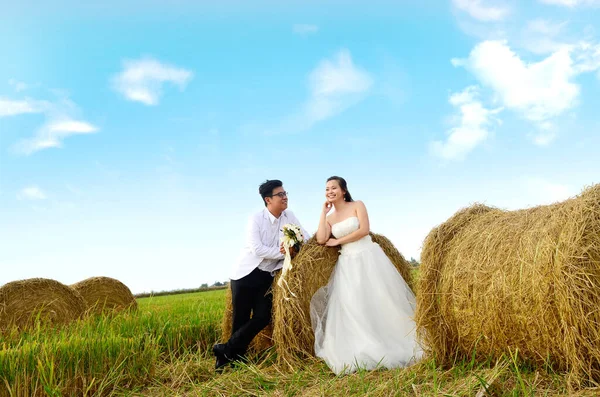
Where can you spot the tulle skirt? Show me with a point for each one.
(364, 316)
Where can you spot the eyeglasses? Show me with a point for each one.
(280, 194)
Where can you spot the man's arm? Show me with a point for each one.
(256, 245)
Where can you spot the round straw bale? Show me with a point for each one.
(292, 331)
(105, 294)
(434, 251)
(493, 282)
(22, 302)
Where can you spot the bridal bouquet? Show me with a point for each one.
(292, 237)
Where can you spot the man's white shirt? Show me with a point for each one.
(262, 243)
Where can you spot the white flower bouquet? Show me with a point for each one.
(292, 237)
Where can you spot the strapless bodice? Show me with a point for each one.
(346, 227)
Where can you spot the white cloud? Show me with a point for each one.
(538, 90)
(570, 3)
(335, 85)
(587, 57)
(51, 135)
(473, 123)
(31, 193)
(62, 120)
(546, 27)
(305, 29)
(542, 36)
(10, 107)
(481, 12)
(18, 85)
(142, 80)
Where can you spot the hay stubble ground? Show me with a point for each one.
(163, 349)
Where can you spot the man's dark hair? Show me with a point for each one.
(267, 187)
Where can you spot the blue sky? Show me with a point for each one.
(134, 135)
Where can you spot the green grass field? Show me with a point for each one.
(100, 354)
(163, 349)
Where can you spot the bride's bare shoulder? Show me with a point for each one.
(357, 204)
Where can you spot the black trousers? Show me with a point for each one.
(252, 301)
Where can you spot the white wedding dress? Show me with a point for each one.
(363, 318)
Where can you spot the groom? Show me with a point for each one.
(253, 273)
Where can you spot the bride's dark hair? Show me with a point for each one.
(343, 186)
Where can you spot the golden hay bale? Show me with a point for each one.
(293, 331)
(493, 281)
(293, 334)
(291, 328)
(24, 301)
(105, 294)
(434, 251)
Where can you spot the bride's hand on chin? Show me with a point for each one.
(332, 242)
(327, 207)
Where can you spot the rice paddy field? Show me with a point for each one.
(163, 349)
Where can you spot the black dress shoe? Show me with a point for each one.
(222, 360)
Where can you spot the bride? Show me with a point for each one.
(363, 318)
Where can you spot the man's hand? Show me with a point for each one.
(293, 251)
